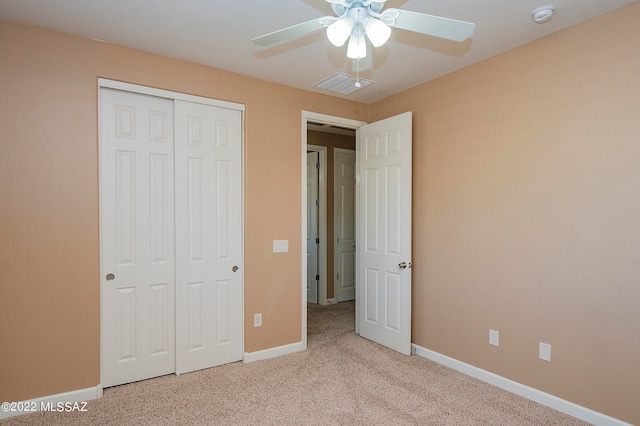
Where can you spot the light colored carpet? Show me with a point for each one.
(341, 379)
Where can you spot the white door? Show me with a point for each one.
(171, 243)
(312, 226)
(344, 224)
(384, 232)
(136, 236)
(209, 268)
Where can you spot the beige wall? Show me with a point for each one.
(526, 213)
(49, 246)
(330, 140)
(526, 184)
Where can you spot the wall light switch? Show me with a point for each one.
(544, 351)
(280, 246)
(494, 337)
(257, 320)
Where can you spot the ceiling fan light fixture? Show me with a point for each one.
(357, 48)
(365, 22)
(339, 31)
(377, 31)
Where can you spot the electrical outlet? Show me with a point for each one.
(494, 337)
(544, 351)
(257, 320)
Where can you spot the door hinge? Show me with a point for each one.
(318, 166)
(338, 240)
(317, 203)
(338, 276)
(317, 240)
(317, 277)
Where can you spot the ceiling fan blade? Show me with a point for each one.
(294, 31)
(437, 26)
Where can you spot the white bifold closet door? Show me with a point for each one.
(170, 236)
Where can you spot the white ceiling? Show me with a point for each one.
(219, 33)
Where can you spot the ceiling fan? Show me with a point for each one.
(357, 18)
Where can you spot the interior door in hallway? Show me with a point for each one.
(313, 163)
(136, 236)
(384, 236)
(344, 224)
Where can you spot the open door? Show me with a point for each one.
(313, 163)
(344, 223)
(383, 272)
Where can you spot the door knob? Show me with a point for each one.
(110, 277)
(234, 269)
(404, 265)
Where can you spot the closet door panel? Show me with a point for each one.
(208, 166)
(136, 236)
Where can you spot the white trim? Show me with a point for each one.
(358, 236)
(112, 84)
(272, 352)
(323, 118)
(530, 393)
(331, 301)
(79, 396)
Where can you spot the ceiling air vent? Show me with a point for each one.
(342, 83)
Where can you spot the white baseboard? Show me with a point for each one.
(331, 301)
(530, 393)
(37, 404)
(272, 352)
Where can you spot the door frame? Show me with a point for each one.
(161, 93)
(322, 221)
(326, 119)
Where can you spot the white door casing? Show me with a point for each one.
(344, 223)
(384, 232)
(209, 267)
(312, 226)
(136, 236)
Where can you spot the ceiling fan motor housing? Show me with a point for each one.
(340, 7)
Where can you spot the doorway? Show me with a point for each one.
(383, 205)
(330, 214)
(322, 122)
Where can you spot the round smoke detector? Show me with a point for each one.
(542, 14)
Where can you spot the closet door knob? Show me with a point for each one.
(234, 269)
(110, 277)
